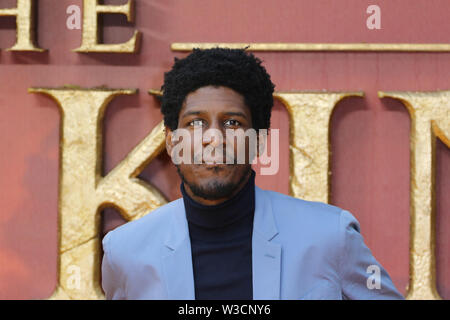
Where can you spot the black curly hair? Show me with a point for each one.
(232, 68)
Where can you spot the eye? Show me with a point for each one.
(196, 123)
(232, 123)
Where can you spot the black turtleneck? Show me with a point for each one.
(221, 243)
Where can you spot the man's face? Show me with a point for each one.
(219, 109)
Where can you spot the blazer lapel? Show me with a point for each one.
(266, 255)
(177, 263)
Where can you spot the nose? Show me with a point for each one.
(213, 137)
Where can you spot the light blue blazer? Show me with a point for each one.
(300, 250)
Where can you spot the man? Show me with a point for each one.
(226, 238)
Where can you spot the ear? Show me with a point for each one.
(169, 144)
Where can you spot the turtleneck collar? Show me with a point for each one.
(224, 214)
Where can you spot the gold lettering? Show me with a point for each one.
(24, 13)
(83, 192)
(90, 40)
(310, 114)
(430, 119)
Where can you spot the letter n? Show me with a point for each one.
(430, 120)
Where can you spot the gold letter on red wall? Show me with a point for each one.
(430, 119)
(24, 13)
(83, 192)
(91, 10)
(309, 119)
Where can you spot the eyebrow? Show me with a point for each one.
(228, 113)
(231, 113)
(191, 113)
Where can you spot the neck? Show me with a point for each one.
(223, 217)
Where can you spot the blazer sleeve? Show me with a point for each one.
(362, 276)
(111, 280)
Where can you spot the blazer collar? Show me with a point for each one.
(178, 230)
(266, 255)
(177, 263)
(264, 221)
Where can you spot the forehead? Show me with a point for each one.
(214, 99)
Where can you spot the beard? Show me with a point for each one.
(215, 189)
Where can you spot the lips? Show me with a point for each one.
(198, 159)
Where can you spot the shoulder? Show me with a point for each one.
(310, 228)
(312, 222)
(149, 228)
(290, 208)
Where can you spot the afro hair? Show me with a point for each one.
(233, 68)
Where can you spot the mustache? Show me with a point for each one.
(225, 158)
